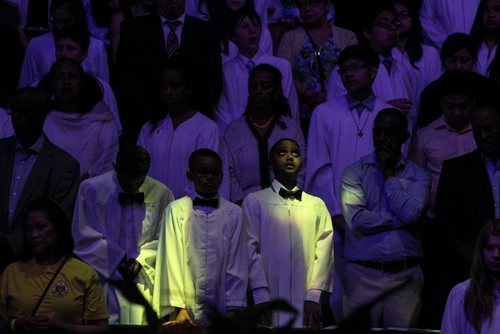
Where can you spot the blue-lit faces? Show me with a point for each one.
(285, 160)
(206, 176)
(491, 253)
(174, 89)
(40, 234)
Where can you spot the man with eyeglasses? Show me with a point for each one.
(393, 84)
(340, 133)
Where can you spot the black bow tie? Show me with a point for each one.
(285, 193)
(124, 198)
(211, 202)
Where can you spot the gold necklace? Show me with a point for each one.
(261, 126)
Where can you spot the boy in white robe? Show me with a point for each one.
(289, 241)
(202, 258)
(116, 227)
(233, 101)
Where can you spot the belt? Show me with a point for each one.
(390, 267)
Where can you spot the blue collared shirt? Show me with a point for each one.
(381, 214)
(24, 160)
(493, 170)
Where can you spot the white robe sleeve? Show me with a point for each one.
(256, 274)
(171, 264)
(319, 173)
(91, 245)
(322, 278)
(237, 267)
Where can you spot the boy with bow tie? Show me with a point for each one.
(202, 257)
(116, 226)
(290, 241)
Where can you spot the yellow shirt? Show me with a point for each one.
(75, 295)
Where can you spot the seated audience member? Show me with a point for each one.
(246, 35)
(458, 54)
(451, 134)
(145, 43)
(394, 83)
(221, 13)
(289, 242)
(80, 122)
(127, 9)
(486, 33)
(313, 49)
(51, 291)
(179, 129)
(41, 51)
(384, 196)
(422, 61)
(341, 133)
(467, 196)
(31, 167)
(266, 119)
(442, 18)
(202, 263)
(116, 227)
(473, 305)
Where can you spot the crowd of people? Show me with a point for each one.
(222, 154)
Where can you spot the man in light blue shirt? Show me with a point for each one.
(383, 197)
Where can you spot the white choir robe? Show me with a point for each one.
(170, 150)
(41, 54)
(399, 84)
(234, 96)
(202, 262)
(441, 18)
(290, 248)
(428, 68)
(91, 138)
(104, 232)
(484, 59)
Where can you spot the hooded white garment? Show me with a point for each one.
(91, 138)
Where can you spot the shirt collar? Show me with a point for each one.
(193, 194)
(369, 103)
(244, 59)
(35, 148)
(489, 162)
(276, 186)
(441, 123)
(180, 19)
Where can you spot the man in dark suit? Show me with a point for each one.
(31, 167)
(467, 197)
(146, 42)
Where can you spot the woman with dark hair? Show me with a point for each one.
(421, 60)
(486, 34)
(473, 306)
(51, 291)
(80, 122)
(178, 129)
(249, 138)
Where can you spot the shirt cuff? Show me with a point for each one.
(260, 295)
(313, 295)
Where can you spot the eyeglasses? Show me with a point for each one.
(388, 23)
(403, 15)
(304, 3)
(351, 68)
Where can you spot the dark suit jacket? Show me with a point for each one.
(55, 176)
(464, 203)
(141, 55)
